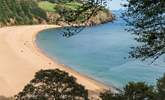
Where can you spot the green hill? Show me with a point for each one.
(53, 8)
(20, 12)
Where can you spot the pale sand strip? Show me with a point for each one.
(20, 59)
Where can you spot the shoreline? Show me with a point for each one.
(21, 58)
(71, 71)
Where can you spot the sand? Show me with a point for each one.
(20, 59)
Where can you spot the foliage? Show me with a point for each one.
(76, 14)
(20, 12)
(73, 10)
(53, 85)
(58, 1)
(132, 91)
(58, 85)
(147, 21)
(62, 12)
(108, 95)
(161, 88)
(138, 91)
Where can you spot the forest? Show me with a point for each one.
(23, 12)
(20, 12)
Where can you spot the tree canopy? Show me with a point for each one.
(53, 85)
(138, 91)
(161, 88)
(76, 18)
(20, 12)
(146, 19)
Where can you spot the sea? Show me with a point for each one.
(102, 53)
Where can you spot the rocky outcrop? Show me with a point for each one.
(100, 18)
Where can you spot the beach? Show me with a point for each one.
(21, 58)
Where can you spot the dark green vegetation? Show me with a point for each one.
(75, 12)
(53, 85)
(132, 91)
(20, 12)
(58, 85)
(147, 19)
(62, 12)
(138, 91)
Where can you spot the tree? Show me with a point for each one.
(108, 95)
(161, 88)
(20, 12)
(147, 21)
(76, 18)
(138, 91)
(132, 91)
(53, 85)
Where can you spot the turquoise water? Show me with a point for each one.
(101, 52)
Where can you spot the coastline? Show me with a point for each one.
(21, 58)
(101, 86)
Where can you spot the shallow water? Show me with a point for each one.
(101, 52)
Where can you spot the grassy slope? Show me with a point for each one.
(47, 6)
(72, 5)
(50, 7)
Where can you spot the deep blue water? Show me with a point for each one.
(101, 52)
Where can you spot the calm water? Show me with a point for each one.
(102, 53)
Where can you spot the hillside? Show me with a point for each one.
(53, 9)
(21, 12)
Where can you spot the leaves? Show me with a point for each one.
(53, 85)
(147, 21)
(20, 12)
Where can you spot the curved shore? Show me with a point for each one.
(21, 58)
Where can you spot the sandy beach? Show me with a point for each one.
(20, 59)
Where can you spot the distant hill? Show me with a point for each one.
(21, 12)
